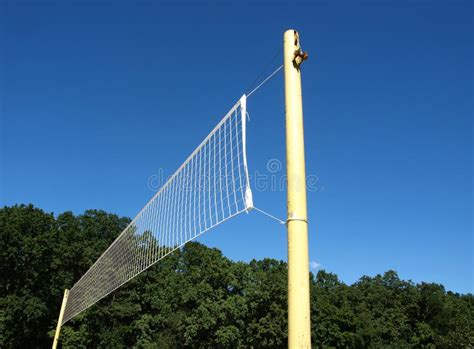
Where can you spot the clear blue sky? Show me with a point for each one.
(99, 96)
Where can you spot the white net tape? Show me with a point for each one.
(211, 186)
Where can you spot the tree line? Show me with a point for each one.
(198, 298)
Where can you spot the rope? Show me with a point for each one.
(270, 63)
(264, 81)
(269, 215)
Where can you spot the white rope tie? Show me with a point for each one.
(269, 215)
(265, 81)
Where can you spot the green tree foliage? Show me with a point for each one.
(197, 298)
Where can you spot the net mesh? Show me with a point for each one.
(211, 186)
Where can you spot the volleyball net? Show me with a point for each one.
(210, 187)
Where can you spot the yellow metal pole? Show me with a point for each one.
(299, 324)
(60, 320)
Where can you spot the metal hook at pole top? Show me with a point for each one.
(299, 57)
